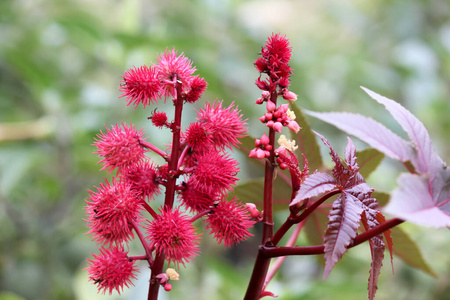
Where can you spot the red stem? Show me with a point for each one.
(138, 257)
(268, 184)
(153, 148)
(149, 209)
(170, 186)
(199, 215)
(279, 261)
(144, 243)
(262, 263)
(313, 250)
(291, 220)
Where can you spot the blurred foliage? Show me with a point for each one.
(60, 67)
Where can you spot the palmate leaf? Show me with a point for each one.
(355, 204)
(430, 204)
(423, 199)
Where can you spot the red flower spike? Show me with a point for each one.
(140, 85)
(215, 173)
(197, 88)
(198, 137)
(225, 124)
(119, 147)
(142, 179)
(229, 222)
(159, 119)
(172, 66)
(111, 211)
(173, 234)
(275, 62)
(111, 270)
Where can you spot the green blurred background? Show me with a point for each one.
(60, 67)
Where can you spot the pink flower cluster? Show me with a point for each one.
(274, 65)
(198, 169)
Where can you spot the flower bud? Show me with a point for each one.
(283, 166)
(260, 154)
(259, 101)
(265, 95)
(264, 139)
(254, 212)
(288, 95)
(252, 153)
(284, 108)
(271, 106)
(293, 125)
(277, 126)
(167, 287)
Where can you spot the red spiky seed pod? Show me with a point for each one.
(111, 210)
(142, 179)
(229, 222)
(172, 234)
(225, 124)
(120, 147)
(140, 86)
(111, 270)
(159, 119)
(170, 67)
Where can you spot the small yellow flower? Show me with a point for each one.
(291, 114)
(173, 275)
(285, 143)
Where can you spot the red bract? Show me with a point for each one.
(215, 173)
(172, 234)
(119, 147)
(142, 179)
(111, 270)
(140, 85)
(111, 211)
(196, 90)
(225, 124)
(172, 67)
(229, 222)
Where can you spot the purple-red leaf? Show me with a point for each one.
(413, 201)
(342, 226)
(315, 184)
(350, 156)
(377, 250)
(424, 159)
(369, 131)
